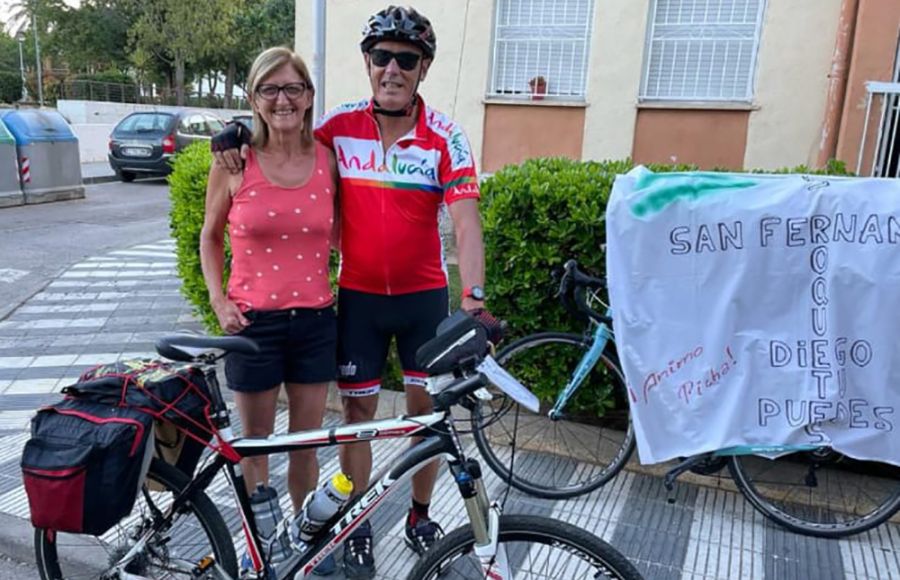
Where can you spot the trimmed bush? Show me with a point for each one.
(187, 190)
(538, 215)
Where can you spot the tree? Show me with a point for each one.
(93, 37)
(179, 32)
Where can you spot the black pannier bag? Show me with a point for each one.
(175, 394)
(84, 465)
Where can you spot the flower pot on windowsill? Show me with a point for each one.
(538, 86)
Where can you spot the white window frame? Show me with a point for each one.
(714, 40)
(521, 51)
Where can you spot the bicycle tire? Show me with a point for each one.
(566, 550)
(822, 493)
(91, 556)
(543, 457)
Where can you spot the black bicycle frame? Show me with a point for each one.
(443, 442)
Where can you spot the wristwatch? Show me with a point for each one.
(474, 292)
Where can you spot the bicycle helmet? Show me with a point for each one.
(401, 24)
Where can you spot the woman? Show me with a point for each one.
(280, 215)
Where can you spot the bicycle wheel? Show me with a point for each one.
(819, 493)
(195, 532)
(536, 547)
(554, 458)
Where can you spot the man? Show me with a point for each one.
(399, 161)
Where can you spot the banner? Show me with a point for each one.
(757, 310)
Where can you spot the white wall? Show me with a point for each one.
(457, 80)
(614, 77)
(791, 83)
(791, 78)
(93, 121)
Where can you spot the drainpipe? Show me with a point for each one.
(837, 81)
(318, 60)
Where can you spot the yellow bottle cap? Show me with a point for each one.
(342, 484)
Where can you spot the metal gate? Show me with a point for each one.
(885, 99)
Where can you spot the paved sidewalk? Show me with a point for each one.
(115, 306)
(97, 172)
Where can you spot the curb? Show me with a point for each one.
(99, 179)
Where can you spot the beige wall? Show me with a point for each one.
(457, 79)
(791, 82)
(614, 77)
(514, 133)
(706, 138)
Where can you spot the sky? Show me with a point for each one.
(4, 10)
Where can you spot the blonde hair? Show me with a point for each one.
(269, 61)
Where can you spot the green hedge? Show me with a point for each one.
(536, 216)
(187, 190)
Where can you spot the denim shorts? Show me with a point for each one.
(297, 345)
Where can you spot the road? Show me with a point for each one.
(13, 570)
(37, 242)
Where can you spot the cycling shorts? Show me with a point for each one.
(366, 324)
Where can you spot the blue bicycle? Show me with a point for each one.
(566, 449)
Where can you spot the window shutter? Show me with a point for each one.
(702, 50)
(541, 38)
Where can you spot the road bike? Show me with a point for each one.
(570, 451)
(814, 491)
(810, 490)
(175, 530)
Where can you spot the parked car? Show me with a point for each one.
(143, 143)
(246, 120)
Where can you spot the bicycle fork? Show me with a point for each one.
(587, 362)
(484, 517)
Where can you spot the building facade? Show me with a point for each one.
(739, 84)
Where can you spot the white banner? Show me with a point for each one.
(757, 310)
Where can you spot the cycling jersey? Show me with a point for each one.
(390, 242)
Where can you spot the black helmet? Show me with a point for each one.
(399, 23)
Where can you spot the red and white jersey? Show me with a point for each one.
(390, 242)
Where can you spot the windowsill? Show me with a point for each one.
(701, 105)
(545, 102)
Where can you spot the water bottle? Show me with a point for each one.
(267, 514)
(318, 509)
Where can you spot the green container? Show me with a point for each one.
(6, 137)
(10, 190)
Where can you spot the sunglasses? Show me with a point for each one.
(405, 60)
(291, 91)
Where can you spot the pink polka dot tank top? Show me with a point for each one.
(280, 240)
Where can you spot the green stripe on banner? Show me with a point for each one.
(658, 190)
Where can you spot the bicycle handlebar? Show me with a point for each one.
(572, 291)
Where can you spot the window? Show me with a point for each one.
(541, 48)
(214, 125)
(145, 122)
(194, 125)
(702, 50)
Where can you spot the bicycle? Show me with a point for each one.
(176, 531)
(814, 491)
(559, 433)
(811, 491)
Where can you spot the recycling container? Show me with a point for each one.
(47, 150)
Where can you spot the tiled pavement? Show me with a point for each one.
(116, 305)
